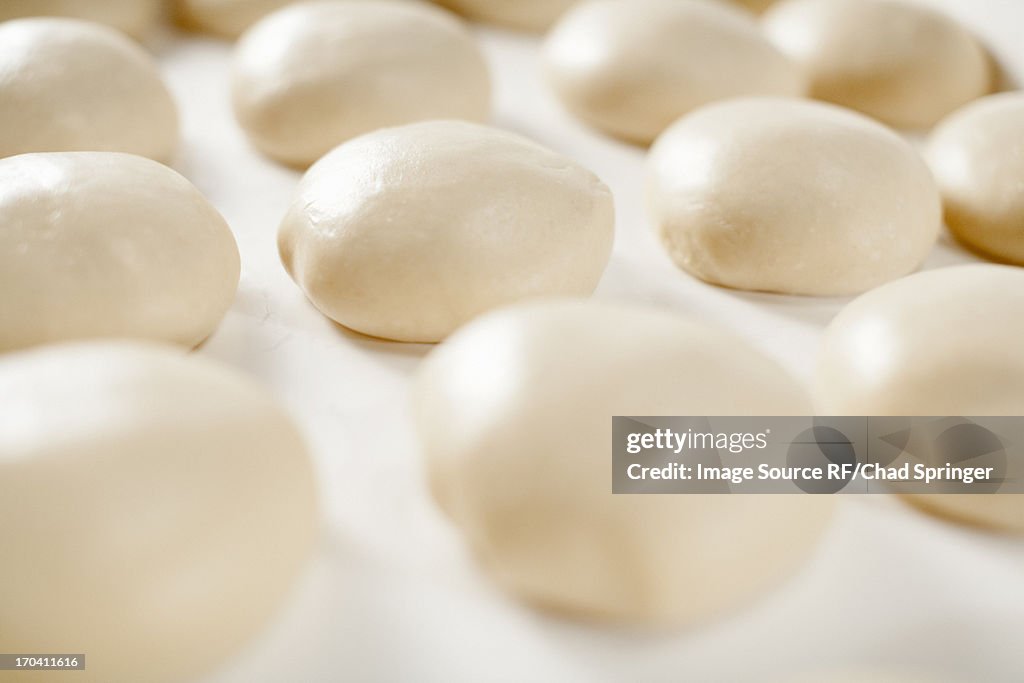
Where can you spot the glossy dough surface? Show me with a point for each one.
(69, 85)
(791, 196)
(99, 244)
(154, 508)
(977, 154)
(942, 342)
(310, 77)
(528, 15)
(409, 232)
(514, 417)
(899, 62)
(134, 17)
(632, 67)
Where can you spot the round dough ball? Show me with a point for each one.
(902, 63)
(526, 15)
(314, 75)
(791, 196)
(514, 417)
(225, 18)
(154, 508)
(99, 244)
(69, 85)
(632, 67)
(134, 17)
(978, 157)
(942, 342)
(409, 232)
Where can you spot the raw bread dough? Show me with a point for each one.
(70, 85)
(225, 18)
(514, 417)
(154, 509)
(632, 67)
(942, 342)
(527, 15)
(134, 17)
(312, 76)
(100, 244)
(978, 157)
(791, 196)
(904, 64)
(409, 232)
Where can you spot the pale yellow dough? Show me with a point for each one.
(409, 232)
(977, 154)
(100, 244)
(70, 85)
(945, 342)
(632, 67)
(225, 18)
(899, 62)
(154, 509)
(791, 196)
(527, 15)
(134, 17)
(514, 416)
(310, 77)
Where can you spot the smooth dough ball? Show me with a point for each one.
(632, 67)
(514, 418)
(225, 18)
(942, 342)
(134, 17)
(69, 85)
(154, 508)
(902, 63)
(791, 196)
(526, 15)
(978, 157)
(409, 232)
(312, 76)
(99, 244)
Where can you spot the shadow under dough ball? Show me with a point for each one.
(134, 17)
(937, 343)
(791, 196)
(409, 232)
(100, 244)
(307, 78)
(630, 68)
(513, 414)
(899, 62)
(68, 85)
(977, 155)
(526, 15)
(155, 508)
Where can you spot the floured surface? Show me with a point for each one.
(393, 596)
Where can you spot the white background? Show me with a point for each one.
(392, 595)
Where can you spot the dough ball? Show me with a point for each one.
(134, 17)
(99, 244)
(514, 418)
(225, 18)
(902, 63)
(632, 67)
(154, 509)
(69, 85)
(791, 196)
(978, 157)
(312, 76)
(409, 232)
(942, 342)
(526, 15)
